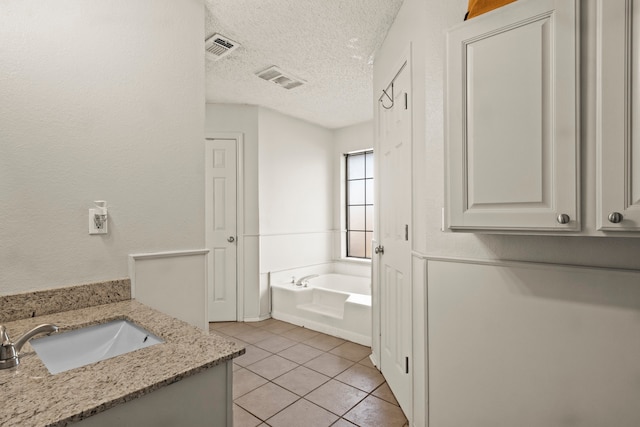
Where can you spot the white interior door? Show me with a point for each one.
(395, 218)
(221, 237)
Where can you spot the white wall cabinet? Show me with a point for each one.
(512, 119)
(618, 116)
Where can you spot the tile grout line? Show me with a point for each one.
(296, 342)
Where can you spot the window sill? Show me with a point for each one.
(355, 260)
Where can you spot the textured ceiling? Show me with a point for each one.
(328, 43)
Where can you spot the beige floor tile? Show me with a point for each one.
(302, 413)
(343, 423)
(264, 323)
(235, 329)
(245, 381)
(336, 397)
(255, 335)
(279, 327)
(275, 344)
(268, 400)
(252, 355)
(299, 334)
(374, 412)
(351, 351)
(385, 393)
(366, 379)
(229, 338)
(329, 364)
(300, 353)
(242, 418)
(236, 367)
(272, 367)
(301, 380)
(367, 362)
(324, 342)
(217, 325)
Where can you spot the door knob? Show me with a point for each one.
(563, 219)
(231, 239)
(615, 217)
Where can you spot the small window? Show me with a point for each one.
(359, 206)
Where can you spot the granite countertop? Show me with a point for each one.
(31, 396)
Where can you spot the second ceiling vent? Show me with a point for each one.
(279, 77)
(219, 46)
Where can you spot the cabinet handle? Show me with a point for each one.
(615, 217)
(563, 219)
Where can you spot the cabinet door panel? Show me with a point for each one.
(505, 90)
(618, 119)
(512, 148)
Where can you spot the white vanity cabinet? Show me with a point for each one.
(618, 116)
(512, 119)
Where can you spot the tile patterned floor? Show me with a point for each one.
(292, 377)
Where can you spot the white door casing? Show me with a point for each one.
(221, 227)
(394, 154)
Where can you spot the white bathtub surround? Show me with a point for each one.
(336, 304)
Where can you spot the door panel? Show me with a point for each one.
(221, 239)
(395, 216)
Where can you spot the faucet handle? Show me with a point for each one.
(4, 337)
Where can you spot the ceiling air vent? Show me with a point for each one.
(279, 77)
(219, 46)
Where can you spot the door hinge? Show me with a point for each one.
(406, 365)
(406, 101)
(379, 250)
(406, 232)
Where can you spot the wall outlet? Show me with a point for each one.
(96, 224)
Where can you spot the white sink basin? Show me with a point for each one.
(84, 346)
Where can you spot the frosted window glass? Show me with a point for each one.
(369, 218)
(369, 191)
(369, 165)
(359, 209)
(357, 240)
(356, 218)
(368, 239)
(356, 193)
(355, 167)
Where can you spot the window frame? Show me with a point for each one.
(367, 203)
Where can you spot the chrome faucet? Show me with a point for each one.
(304, 281)
(10, 351)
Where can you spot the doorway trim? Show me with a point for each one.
(239, 137)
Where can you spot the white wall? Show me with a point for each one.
(422, 23)
(98, 101)
(288, 175)
(346, 140)
(296, 195)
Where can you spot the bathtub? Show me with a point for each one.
(336, 304)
